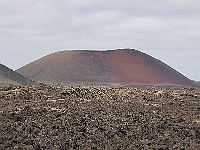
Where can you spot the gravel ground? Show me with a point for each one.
(99, 118)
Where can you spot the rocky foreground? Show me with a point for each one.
(99, 118)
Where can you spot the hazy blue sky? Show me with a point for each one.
(165, 29)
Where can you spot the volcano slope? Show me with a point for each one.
(8, 76)
(112, 66)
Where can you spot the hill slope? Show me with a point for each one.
(113, 66)
(197, 82)
(8, 76)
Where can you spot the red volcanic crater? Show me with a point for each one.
(112, 66)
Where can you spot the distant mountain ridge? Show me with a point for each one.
(8, 76)
(111, 66)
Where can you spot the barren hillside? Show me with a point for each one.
(112, 66)
(8, 76)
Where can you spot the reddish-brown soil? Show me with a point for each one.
(113, 66)
(99, 118)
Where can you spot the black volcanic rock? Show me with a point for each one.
(99, 118)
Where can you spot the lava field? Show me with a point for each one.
(99, 118)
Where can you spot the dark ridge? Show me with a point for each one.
(8, 76)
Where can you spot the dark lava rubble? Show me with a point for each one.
(99, 118)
